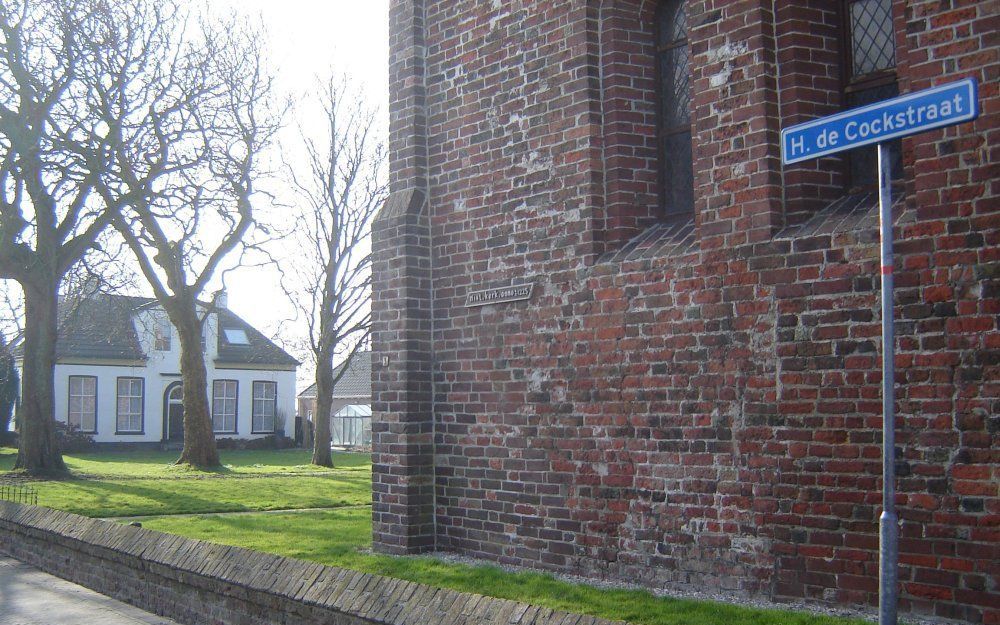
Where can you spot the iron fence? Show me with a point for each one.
(18, 493)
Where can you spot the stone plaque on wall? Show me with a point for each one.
(499, 295)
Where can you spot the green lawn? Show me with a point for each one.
(343, 538)
(143, 483)
(147, 483)
(113, 498)
(160, 464)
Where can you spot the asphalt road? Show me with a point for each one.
(31, 597)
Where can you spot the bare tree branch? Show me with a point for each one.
(340, 191)
(190, 183)
(58, 59)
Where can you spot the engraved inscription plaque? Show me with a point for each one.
(499, 296)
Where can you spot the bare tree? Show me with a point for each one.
(59, 61)
(341, 186)
(11, 316)
(208, 145)
(101, 270)
(11, 310)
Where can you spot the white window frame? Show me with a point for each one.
(134, 398)
(225, 411)
(86, 398)
(261, 401)
(236, 336)
(163, 335)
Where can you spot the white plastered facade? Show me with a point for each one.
(159, 373)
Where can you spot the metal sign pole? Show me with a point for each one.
(944, 105)
(888, 523)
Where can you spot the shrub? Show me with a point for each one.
(72, 440)
(272, 441)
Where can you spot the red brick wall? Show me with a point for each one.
(708, 415)
(628, 105)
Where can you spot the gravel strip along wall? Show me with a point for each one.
(196, 582)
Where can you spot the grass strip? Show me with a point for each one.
(343, 538)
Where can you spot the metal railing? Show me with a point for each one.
(18, 493)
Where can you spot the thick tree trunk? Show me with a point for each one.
(199, 440)
(324, 401)
(38, 453)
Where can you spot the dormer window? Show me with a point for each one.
(162, 332)
(236, 336)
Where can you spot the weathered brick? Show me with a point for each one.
(700, 400)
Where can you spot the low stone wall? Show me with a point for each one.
(202, 583)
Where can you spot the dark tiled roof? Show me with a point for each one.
(100, 327)
(260, 351)
(356, 381)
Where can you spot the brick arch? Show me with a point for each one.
(628, 89)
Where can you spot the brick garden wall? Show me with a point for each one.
(700, 406)
(199, 583)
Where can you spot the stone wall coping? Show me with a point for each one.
(374, 598)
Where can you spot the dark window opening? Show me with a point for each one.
(673, 66)
(870, 76)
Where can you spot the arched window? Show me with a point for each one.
(673, 63)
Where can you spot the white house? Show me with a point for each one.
(118, 375)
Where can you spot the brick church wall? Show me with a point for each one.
(690, 404)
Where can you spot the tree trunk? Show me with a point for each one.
(199, 440)
(324, 401)
(38, 453)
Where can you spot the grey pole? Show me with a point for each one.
(888, 566)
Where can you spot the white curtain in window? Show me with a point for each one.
(130, 395)
(224, 406)
(264, 399)
(83, 403)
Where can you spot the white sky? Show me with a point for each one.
(307, 38)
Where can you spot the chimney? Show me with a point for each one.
(220, 299)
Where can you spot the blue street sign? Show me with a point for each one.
(941, 106)
(937, 107)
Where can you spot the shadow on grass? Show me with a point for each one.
(104, 494)
(145, 497)
(154, 463)
(7, 457)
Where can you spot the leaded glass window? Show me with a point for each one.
(872, 42)
(870, 46)
(673, 63)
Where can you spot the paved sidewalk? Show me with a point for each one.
(30, 597)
